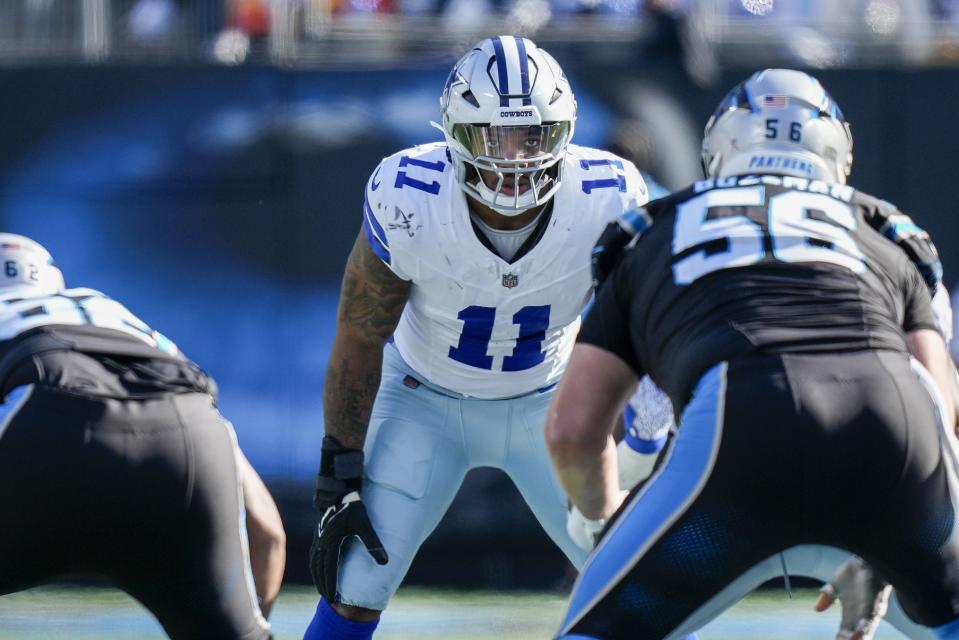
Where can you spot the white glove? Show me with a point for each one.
(864, 597)
(942, 310)
(582, 530)
(634, 466)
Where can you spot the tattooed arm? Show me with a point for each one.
(371, 302)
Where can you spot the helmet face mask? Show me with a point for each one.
(27, 265)
(512, 167)
(508, 115)
(778, 121)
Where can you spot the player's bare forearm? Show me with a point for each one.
(267, 538)
(352, 379)
(928, 347)
(590, 478)
(952, 391)
(371, 303)
(590, 398)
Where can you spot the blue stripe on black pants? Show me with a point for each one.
(652, 512)
(828, 449)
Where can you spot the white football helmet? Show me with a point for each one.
(508, 111)
(25, 263)
(778, 121)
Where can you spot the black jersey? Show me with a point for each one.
(756, 264)
(51, 338)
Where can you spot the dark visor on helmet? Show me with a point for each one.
(513, 142)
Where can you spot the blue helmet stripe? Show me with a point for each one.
(524, 70)
(753, 107)
(501, 70)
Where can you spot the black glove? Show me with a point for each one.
(344, 516)
(609, 249)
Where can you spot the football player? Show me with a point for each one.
(461, 300)
(115, 461)
(649, 418)
(750, 250)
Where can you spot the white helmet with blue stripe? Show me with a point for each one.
(778, 121)
(25, 263)
(508, 115)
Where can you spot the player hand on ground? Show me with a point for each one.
(864, 597)
(582, 530)
(585, 532)
(344, 515)
(608, 250)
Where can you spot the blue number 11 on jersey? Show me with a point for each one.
(478, 330)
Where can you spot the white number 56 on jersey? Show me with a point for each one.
(704, 242)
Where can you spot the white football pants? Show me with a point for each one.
(420, 445)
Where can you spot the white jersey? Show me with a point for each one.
(475, 323)
(26, 308)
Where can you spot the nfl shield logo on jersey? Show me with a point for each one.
(510, 280)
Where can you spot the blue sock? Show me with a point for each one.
(947, 631)
(327, 624)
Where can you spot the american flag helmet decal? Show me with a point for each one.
(775, 102)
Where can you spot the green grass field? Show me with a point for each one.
(416, 614)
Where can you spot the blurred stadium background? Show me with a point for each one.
(204, 160)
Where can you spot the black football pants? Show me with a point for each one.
(144, 492)
(772, 452)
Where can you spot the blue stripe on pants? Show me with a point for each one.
(661, 502)
(948, 631)
(12, 404)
